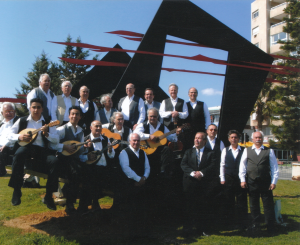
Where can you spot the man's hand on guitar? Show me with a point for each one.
(25, 137)
(89, 144)
(92, 157)
(45, 130)
(178, 131)
(109, 148)
(153, 138)
(70, 148)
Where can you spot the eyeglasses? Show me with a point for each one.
(213, 130)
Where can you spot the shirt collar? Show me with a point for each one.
(214, 140)
(10, 121)
(115, 128)
(81, 100)
(173, 99)
(100, 137)
(262, 147)
(79, 129)
(70, 96)
(193, 102)
(239, 148)
(44, 90)
(201, 149)
(158, 124)
(136, 152)
(131, 98)
(30, 118)
(146, 102)
(106, 110)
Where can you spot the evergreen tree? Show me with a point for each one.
(286, 98)
(73, 72)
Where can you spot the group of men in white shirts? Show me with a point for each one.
(135, 120)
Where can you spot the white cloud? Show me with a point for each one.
(211, 91)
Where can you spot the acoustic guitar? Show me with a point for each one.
(162, 140)
(34, 132)
(77, 144)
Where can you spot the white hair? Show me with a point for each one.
(103, 98)
(173, 84)
(113, 117)
(262, 134)
(41, 77)
(133, 134)
(63, 83)
(153, 109)
(8, 103)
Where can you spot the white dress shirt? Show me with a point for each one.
(13, 135)
(68, 103)
(4, 131)
(201, 154)
(121, 132)
(98, 147)
(206, 112)
(164, 114)
(273, 165)
(107, 114)
(124, 162)
(125, 109)
(85, 107)
(222, 163)
(213, 142)
(140, 131)
(51, 103)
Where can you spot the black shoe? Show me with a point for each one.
(16, 198)
(70, 209)
(49, 202)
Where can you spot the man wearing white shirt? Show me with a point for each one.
(198, 117)
(229, 178)
(162, 157)
(9, 114)
(132, 107)
(38, 149)
(73, 166)
(199, 167)
(107, 111)
(150, 103)
(64, 102)
(136, 169)
(260, 165)
(47, 96)
(102, 170)
(89, 110)
(173, 110)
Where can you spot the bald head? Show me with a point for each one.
(135, 141)
(96, 128)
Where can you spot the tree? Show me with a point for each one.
(73, 72)
(286, 97)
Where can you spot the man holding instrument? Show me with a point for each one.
(37, 148)
(72, 163)
(101, 169)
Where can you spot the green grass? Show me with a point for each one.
(166, 232)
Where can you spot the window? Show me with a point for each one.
(255, 14)
(255, 31)
(282, 36)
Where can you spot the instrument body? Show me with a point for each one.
(111, 136)
(34, 132)
(77, 144)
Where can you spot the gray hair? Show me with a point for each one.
(132, 134)
(262, 134)
(153, 109)
(8, 103)
(113, 117)
(63, 83)
(41, 77)
(103, 98)
(173, 84)
(84, 86)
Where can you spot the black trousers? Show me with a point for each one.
(77, 173)
(5, 159)
(44, 162)
(235, 195)
(259, 188)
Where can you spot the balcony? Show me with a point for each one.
(277, 11)
(277, 28)
(275, 49)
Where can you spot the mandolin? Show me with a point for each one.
(77, 144)
(162, 140)
(34, 132)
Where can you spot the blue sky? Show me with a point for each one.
(26, 26)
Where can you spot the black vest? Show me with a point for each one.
(258, 166)
(104, 144)
(169, 107)
(134, 112)
(87, 117)
(136, 164)
(147, 128)
(232, 164)
(196, 117)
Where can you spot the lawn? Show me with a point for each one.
(166, 231)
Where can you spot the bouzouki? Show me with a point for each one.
(162, 139)
(77, 144)
(34, 132)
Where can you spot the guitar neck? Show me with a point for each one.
(167, 134)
